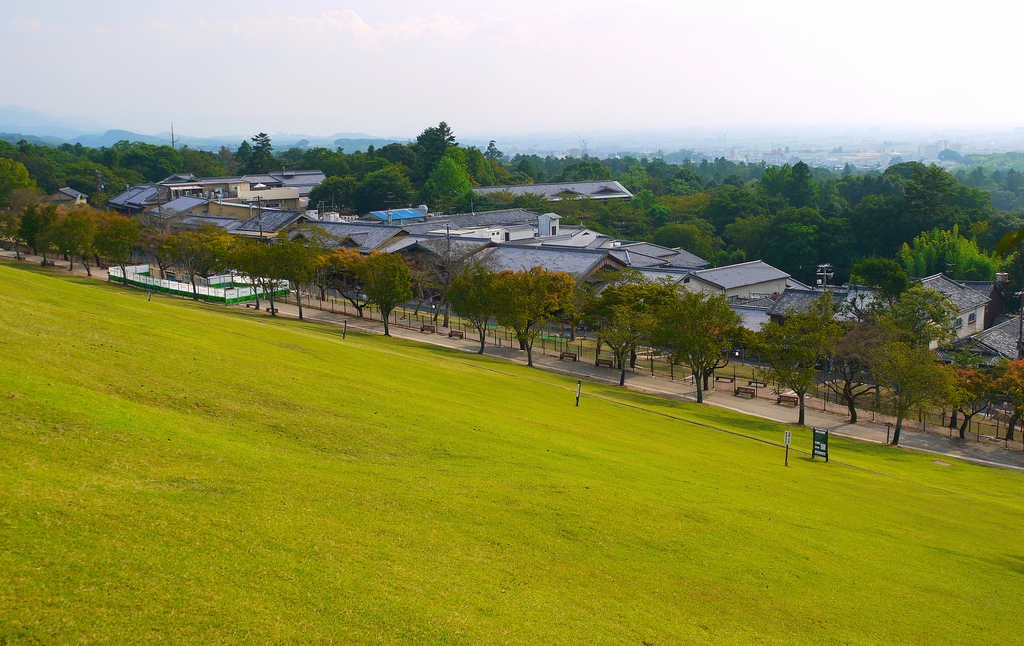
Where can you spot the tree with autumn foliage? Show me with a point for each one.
(973, 390)
(530, 300)
(1011, 386)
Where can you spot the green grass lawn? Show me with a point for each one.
(185, 473)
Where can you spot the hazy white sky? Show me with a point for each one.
(391, 68)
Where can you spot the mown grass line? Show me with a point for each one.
(188, 473)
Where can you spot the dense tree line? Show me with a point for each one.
(793, 216)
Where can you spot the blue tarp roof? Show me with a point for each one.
(398, 214)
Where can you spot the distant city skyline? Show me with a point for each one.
(390, 69)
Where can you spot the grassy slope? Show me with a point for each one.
(181, 472)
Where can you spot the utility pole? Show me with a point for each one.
(173, 140)
(259, 214)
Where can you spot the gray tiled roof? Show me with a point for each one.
(72, 193)
(579, 262)
(304, 180)
(602, 189)
(439, 244)
(197, 221)
(762, 303)
(745, 273)
(983, 286)
(137, 197)
(963, 298)
(794, 300)
(272, 221)
(671, 257)
(374, 238)
(367, 235)
(997, 342)
(751, 317)
(635, 259)
(178, 205)
(844, 298)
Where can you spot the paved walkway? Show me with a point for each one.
(985, 452)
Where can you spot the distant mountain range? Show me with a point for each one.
(38, 128)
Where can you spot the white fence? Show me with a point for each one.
(138, 276)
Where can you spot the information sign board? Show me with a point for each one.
(820, 448)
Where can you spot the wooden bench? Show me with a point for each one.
(457, 334)
(253, 305)
(757, 382)
(427, 328)
(788, 399)
(571, 356)
(607, 363)
(725, 378)
(272, 310)
(746, 390)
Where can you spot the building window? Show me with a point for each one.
(972, 318)
(959, 323)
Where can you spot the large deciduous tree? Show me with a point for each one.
(793, 350)
(383, 188)
(529, 300)
(974, 391)
(697, 330)
(473, 297)
(199, 253)
(334, 193)
(342, 272)
(298, 261)
(850, 363)
(73, 235)
(116, 237)
(36, 221)
(887, 277)
(1011, 386)
(10, 230)
(387, 283)
(448, 181)
(921, 316)
(249, 258)
(625, 314)
(909, 376)
(13, 176)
